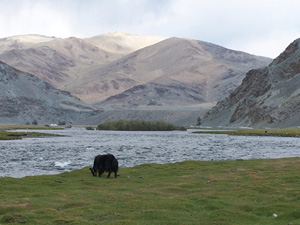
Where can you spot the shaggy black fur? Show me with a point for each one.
(106, 163)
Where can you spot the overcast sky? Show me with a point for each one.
(261, 27)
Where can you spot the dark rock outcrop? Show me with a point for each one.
(268, 97)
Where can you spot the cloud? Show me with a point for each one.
(34, 17)
(125, 15)
(262, 27)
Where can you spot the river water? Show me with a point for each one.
(75, 150)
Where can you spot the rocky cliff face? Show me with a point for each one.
(24, 98)
(268, 97)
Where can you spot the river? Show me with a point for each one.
(77, 148)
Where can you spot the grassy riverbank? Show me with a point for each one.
(286, 132)
(27, 127)
(191, 192)
(8, 135)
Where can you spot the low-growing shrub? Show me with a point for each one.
(138, 125)
(89, 128)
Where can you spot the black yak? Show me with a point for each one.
(106, 163)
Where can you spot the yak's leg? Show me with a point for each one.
(109, 174)
(101, 171)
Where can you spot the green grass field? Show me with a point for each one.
(190, 192)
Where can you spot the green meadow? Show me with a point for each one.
(191, 192)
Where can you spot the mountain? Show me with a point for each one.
(121, 71)
(213, 70)
(22, 41)
(158, 93)
(54, 60)
(25, 98)
(60, 62)
(267, 97)
(44, 62)
(122, 43)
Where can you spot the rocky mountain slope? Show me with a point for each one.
(22, 41)
(60, 61)
(25, 98)
(160, 92)
(213, 70)
(97, 68)
(121, 43)
(268, 97)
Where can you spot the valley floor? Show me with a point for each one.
(180, 117)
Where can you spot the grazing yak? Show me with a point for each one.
(106, 163)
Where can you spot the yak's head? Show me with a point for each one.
(93, 171)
